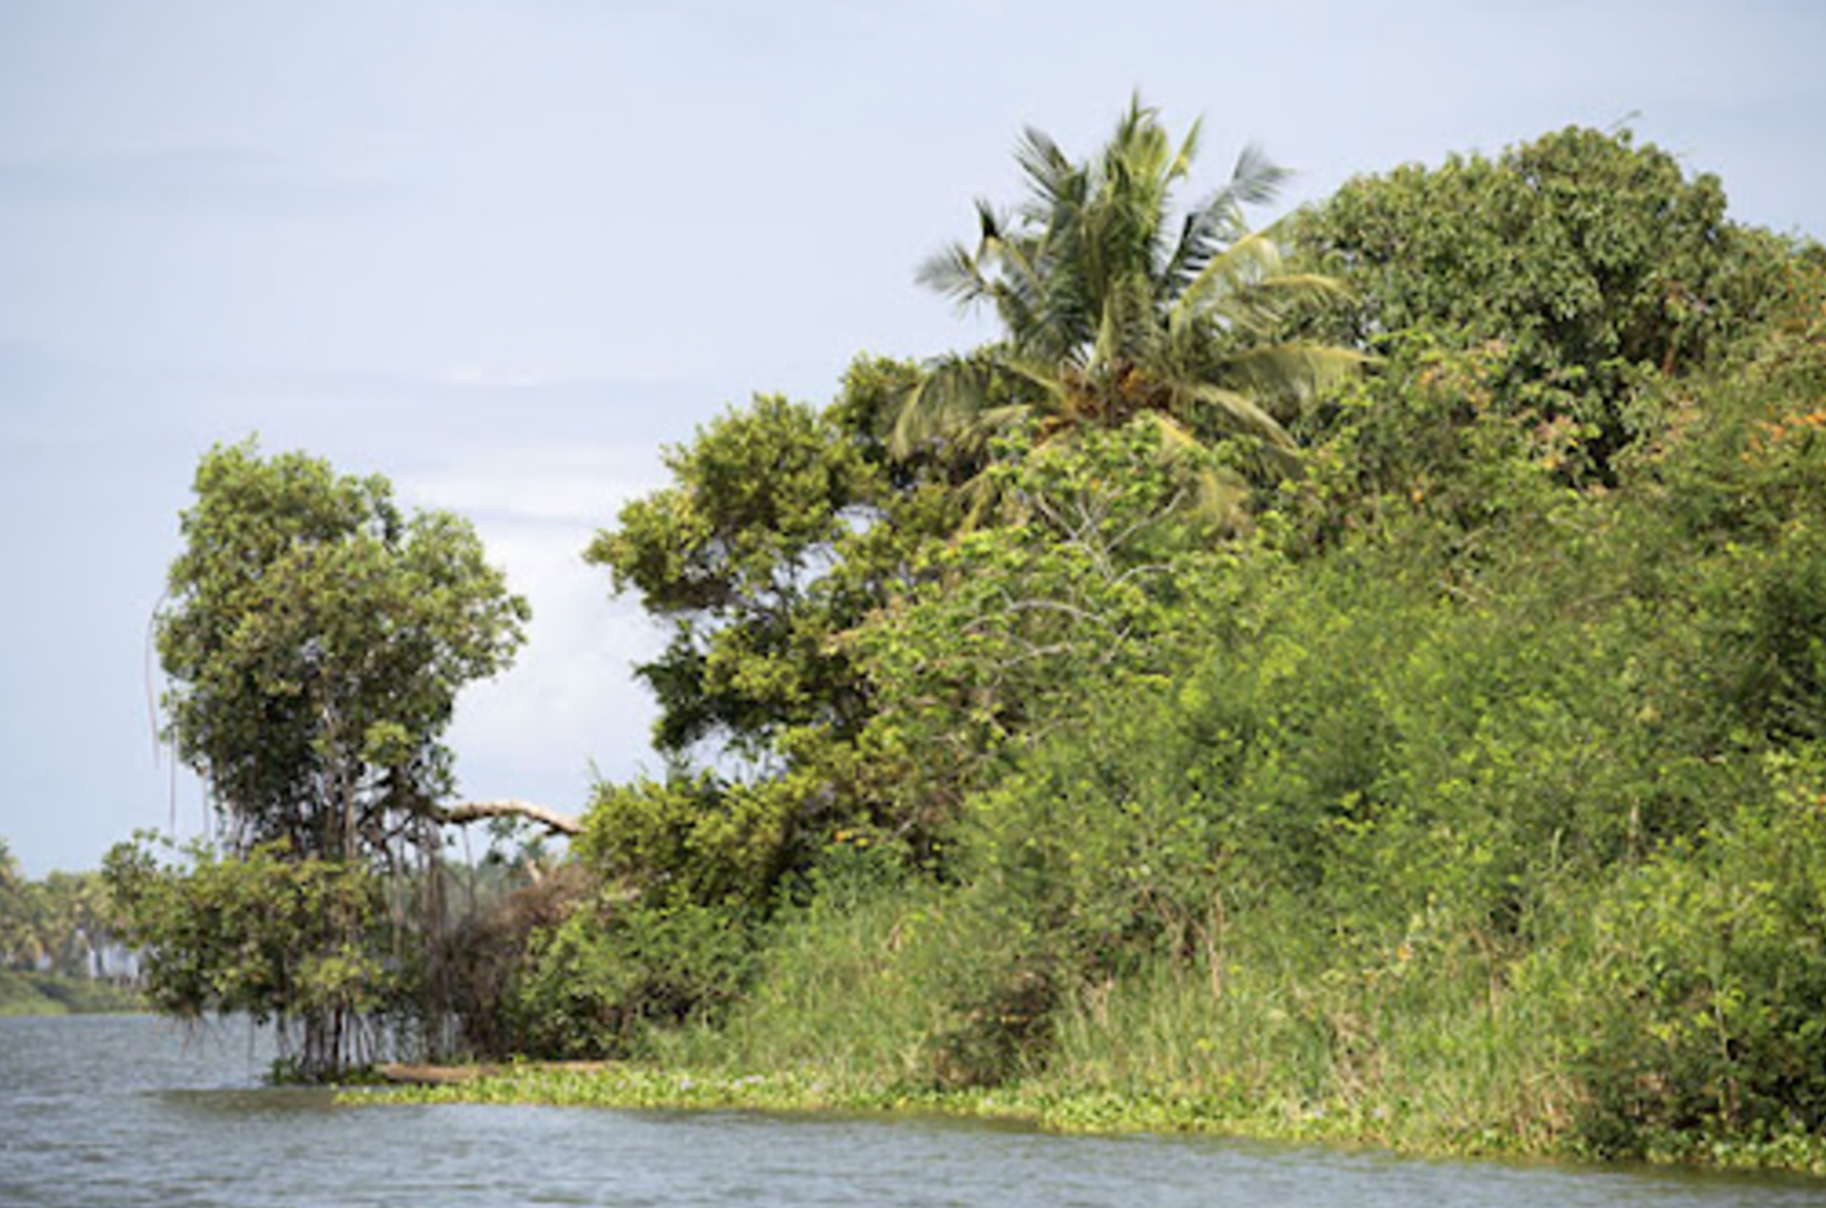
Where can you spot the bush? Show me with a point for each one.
(590, 987)
(297, 942)
(1709, 981)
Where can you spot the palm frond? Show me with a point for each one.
(1263, 308)
(1114, 307)
(958, 399)
(1218, 494)
(1222, 283)
(938, 403)
(1176, 440)
(954, 272)
(1256, 179)
(1299, 371)
(1188, 151)
(1218, 221)
(1125, 324)
(1316, 287)
(1236, 411)
(1020, 288)
(1052, 178)
(1033, 377)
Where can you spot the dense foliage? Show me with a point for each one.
(1593, 270)
(315, 638)
(1458, 781)
(278, 939)
(1464, 788)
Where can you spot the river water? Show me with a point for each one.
(111, 1112)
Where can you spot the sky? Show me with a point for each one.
(503, 253)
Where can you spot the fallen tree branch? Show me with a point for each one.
(477, 811)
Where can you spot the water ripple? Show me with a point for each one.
(122, 1112)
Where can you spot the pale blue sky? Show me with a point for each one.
(501, 251)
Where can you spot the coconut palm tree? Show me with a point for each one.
(17, 946)
(1113, 308)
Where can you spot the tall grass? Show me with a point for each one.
(845, 998)
(1444, 1048)
(1441, 1046)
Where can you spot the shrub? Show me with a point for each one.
(590, 987)
(1709, 982)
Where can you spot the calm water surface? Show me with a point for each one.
(111, 1112)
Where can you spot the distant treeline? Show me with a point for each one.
(58, 946)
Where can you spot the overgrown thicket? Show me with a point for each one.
(1360, 677)
(1457, 775)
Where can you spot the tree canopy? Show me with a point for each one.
(1584, 262)
(316, 638)
(1473, 780)
(1113, 306)
(59, 943)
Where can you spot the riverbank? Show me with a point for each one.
(1044, 1106)
(133, 1112)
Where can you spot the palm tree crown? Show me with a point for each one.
(1112, 309)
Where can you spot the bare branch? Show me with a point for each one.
(477, 811)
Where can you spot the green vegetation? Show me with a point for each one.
(58, 945)
(58, 994)
(1361, 680)
(316, 639)
(1112, 311)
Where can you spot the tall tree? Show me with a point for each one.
(785, 525)
(316, 638)
(20, 947)
(1113, 306)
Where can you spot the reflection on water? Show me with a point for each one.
(112, 1111)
